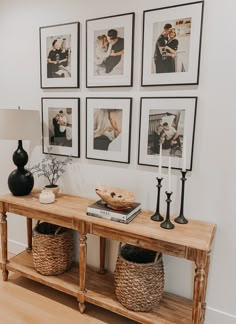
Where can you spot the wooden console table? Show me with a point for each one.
(192, 242)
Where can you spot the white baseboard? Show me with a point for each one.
(215, 316)
(15, 247)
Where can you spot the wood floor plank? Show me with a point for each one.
(23, 301)
(100, 292)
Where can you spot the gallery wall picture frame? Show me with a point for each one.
(167, 121)
(60, 55)
(108, 128)
(172, 45)
(109, 51)
(61, 126)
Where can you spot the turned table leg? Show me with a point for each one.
(102, 269)
(205, 288)
(29, 234)
(200, 287)
(3, 223)
(82, 270)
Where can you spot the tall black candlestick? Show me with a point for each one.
(167, 223)
(157, 216)
(181, 219)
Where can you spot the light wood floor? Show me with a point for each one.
(23, 301)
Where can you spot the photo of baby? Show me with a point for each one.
(60, 126)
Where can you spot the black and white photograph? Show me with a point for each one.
(108, 129)
(171, 45)
(61, 125)
(110, 51)
(59, 56)
(59, 47)
(167, 128)
(171, 48)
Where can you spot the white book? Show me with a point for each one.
(100, 208)
(120, 220)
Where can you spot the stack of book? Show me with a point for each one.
(102, 210)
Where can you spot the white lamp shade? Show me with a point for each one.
(17, 124)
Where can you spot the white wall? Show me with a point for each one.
(210, 188)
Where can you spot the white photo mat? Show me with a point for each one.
(125, 21)
(125, 104)
(165, 104)
(169, 14)
(58, 104)
(71, 29)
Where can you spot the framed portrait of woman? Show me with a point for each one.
(59, 56)
(61, 126)
(108, 123)
(167, 127)
(172, 45)
(109, 51)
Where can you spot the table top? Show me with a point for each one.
(70, 209)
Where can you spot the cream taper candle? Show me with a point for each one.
(169, 175)
(160, 161)
(184, 154)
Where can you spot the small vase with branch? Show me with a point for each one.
(52, 169)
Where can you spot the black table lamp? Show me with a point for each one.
(17, 124)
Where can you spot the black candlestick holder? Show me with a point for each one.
(181, 219)
(157, 216)
(167, 223)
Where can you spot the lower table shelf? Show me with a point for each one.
(100, 291)
(67, 282)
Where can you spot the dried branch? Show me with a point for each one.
(51, 168)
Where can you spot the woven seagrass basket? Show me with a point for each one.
(52, 253)
(139, 286)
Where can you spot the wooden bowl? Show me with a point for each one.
(116, 198)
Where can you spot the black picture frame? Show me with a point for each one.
(103, 70)
(61, 138)
(180, 114)
(108, 128)
(169, 60)
(60, 43)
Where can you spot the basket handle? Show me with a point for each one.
(157, 257)
(119, 249)
(57, 231)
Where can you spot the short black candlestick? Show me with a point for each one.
(157, 216)
(167, 223)
(181, 219)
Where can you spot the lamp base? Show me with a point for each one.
(20, 182)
